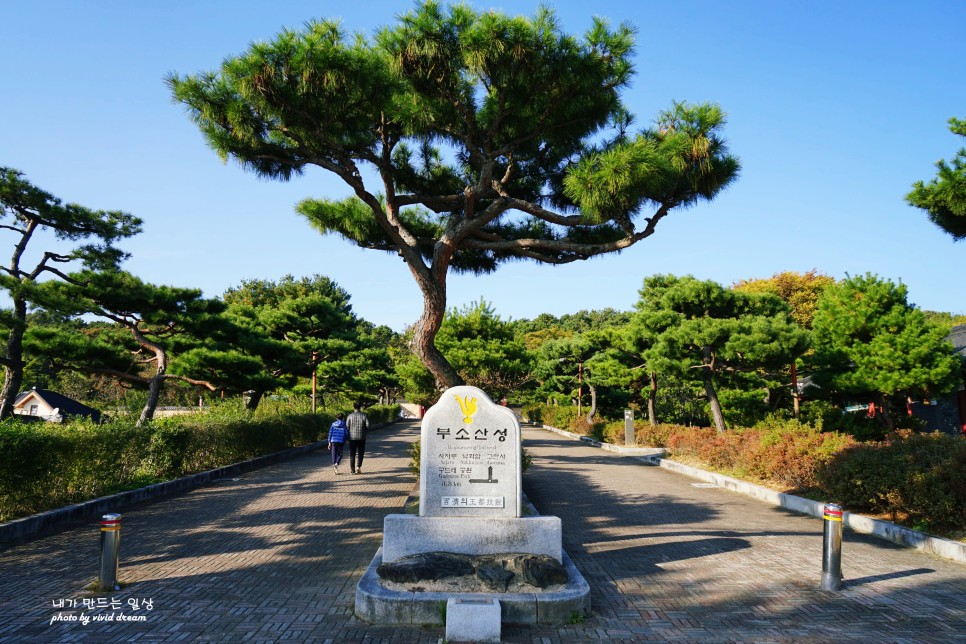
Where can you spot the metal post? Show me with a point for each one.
(110, 545)
(832, 548)
(630, 440)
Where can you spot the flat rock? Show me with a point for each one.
(427, 566)
(494, 577)
(475, 573)
(543, 571)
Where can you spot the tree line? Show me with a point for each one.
(690, 351)
(695, 352)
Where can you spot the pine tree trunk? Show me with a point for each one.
(154, 386)
(593, 404)
(424, 337)
(154, 394)
(886, 416)
(652, 400)
(13, 369)
(251, 402)
(709, 390)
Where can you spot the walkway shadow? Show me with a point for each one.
(849, 583)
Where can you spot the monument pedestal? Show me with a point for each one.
(405, 535)
(470, 502)
(377, 604)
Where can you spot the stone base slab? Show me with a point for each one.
(406, 534)
(472, 620)
(379, 605)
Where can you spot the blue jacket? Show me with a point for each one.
(338, 432)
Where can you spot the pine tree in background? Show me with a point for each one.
(34, 217)
(869, 341)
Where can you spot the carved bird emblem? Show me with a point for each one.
(468, 405)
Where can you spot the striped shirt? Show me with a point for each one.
(358, 424)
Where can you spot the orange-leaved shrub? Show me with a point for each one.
(785, 453)
(645, 434)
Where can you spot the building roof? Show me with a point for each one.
(958, 337)
(66, 406)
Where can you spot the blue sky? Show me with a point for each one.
(835, 109)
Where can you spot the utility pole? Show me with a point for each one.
(580, 386)
(315, 362)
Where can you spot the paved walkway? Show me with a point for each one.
(276, 554)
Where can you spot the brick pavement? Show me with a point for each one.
(276, 554)
(668, 558)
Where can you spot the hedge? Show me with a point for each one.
(50, 465)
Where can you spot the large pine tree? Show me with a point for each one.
(467, 139)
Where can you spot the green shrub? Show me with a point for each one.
(916, 478)
(559, 416)
(533, 412)
(26, 458)
(49, 465)
(742, 408)
(414, 456)
(169, 446)
(379, 414)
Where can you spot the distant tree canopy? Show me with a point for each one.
(801, 291)
(944, 198)
(699, 327)
(295, 325)
(870, 341)
(467, 139)
(581, 364)
(143, 326)
(482, 348)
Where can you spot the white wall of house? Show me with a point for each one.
(34, 405)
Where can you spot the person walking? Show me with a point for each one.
(358, 424)
(338, 433)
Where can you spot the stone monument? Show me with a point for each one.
(469, 458)
(470, 486)
(471, 508)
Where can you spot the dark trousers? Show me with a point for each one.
(337, 452)
(356, 448)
